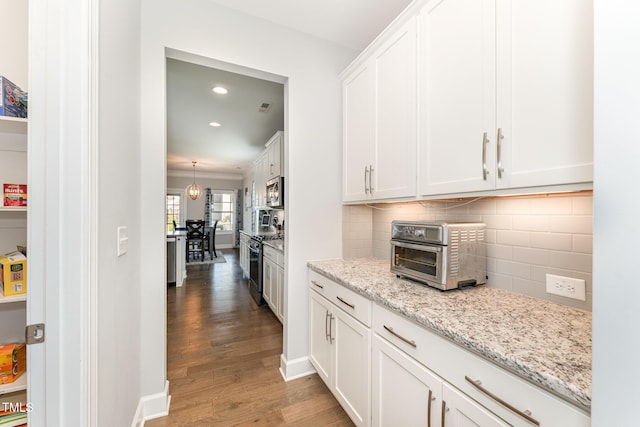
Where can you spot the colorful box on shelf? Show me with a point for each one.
(13, 100)
(15, 195)
(13, 362)
(13, 273)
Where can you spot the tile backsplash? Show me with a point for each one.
(527, 237)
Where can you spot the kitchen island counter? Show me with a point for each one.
(548, 344)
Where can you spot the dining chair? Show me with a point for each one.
(196, 238)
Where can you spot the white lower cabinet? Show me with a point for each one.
(340, 350)
(273, 280)
(403, 392)
(461, 411)
(386, 370)
(244, 253)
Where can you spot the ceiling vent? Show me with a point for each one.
(264, 107)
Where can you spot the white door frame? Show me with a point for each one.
(63, 212)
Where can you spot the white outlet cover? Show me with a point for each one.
(568, 287)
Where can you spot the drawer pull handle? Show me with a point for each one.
(346, 303)
(526, 414)
(412, 343)
(317, 284)
(327, 329)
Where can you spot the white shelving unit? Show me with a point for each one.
(13, 139)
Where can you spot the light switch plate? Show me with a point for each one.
(123, 240)
(566, 286)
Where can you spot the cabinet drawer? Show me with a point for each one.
(462, 368)
(356, 305)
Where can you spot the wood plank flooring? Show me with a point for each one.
(223, 355)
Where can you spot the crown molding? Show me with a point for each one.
(203, 175)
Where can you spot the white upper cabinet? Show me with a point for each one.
(507, 98)
(545, 91)
(274, 155)
(457, 95)
(379, 106)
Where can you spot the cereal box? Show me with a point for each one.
(13, 273)
(13, 100)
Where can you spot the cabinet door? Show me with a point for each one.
(280, 285)
(358, 128)
(267, 281)
(275, 157)
(320, 345)
(461, 411)
(352, 366)
(457, 96)
(394, 171)
(403, 392)
(545, 92)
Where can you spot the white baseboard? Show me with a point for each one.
(297, 368)
(152, 406)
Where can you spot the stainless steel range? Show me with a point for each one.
(255, 264)
(440, 254)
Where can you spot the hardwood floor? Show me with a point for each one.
(223, 355)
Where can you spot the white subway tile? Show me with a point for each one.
(491, 265)
(530, 223)
(513, 206)
(570, 224)
(583, 205)
(483, 207)
(572, 261)
(513, 269)
(497, 280)
(556, 241)
(498, 222)
(364, 252)
(532, 256)
(553, 205)
(583, 243)
(499, 251)
(530, 288)
(514, 238)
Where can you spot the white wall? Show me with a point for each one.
(119, 278)
(13, 54)
(310, 68)
(616, 303)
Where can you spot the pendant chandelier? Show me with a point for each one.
(193, 190)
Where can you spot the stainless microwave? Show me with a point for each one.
(275, 192)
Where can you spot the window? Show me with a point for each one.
(173, 210)
(222, 209)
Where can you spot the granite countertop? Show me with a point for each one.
(546, 343)
(277, 244)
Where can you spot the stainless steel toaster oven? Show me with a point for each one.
(445, 255)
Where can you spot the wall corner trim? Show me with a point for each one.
(152, 406)
(296, 368)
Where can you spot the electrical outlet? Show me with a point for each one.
(566, 287)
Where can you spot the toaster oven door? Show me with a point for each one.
(420, 262)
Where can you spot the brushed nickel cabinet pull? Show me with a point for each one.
(485, 171)
(412, 343)
(429, 408)
(499, 139)
(327, 330)
(317, 284)
(366, 187)
(444, 411)
(346, 303)
(331, 338)
(371, 179)
(526, 414)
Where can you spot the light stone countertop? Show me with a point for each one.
(277, 244)
(546, 343)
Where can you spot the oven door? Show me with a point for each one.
(420, 262)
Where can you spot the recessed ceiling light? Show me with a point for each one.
(215, 124)
(220, 90)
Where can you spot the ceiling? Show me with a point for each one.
(229, 150)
